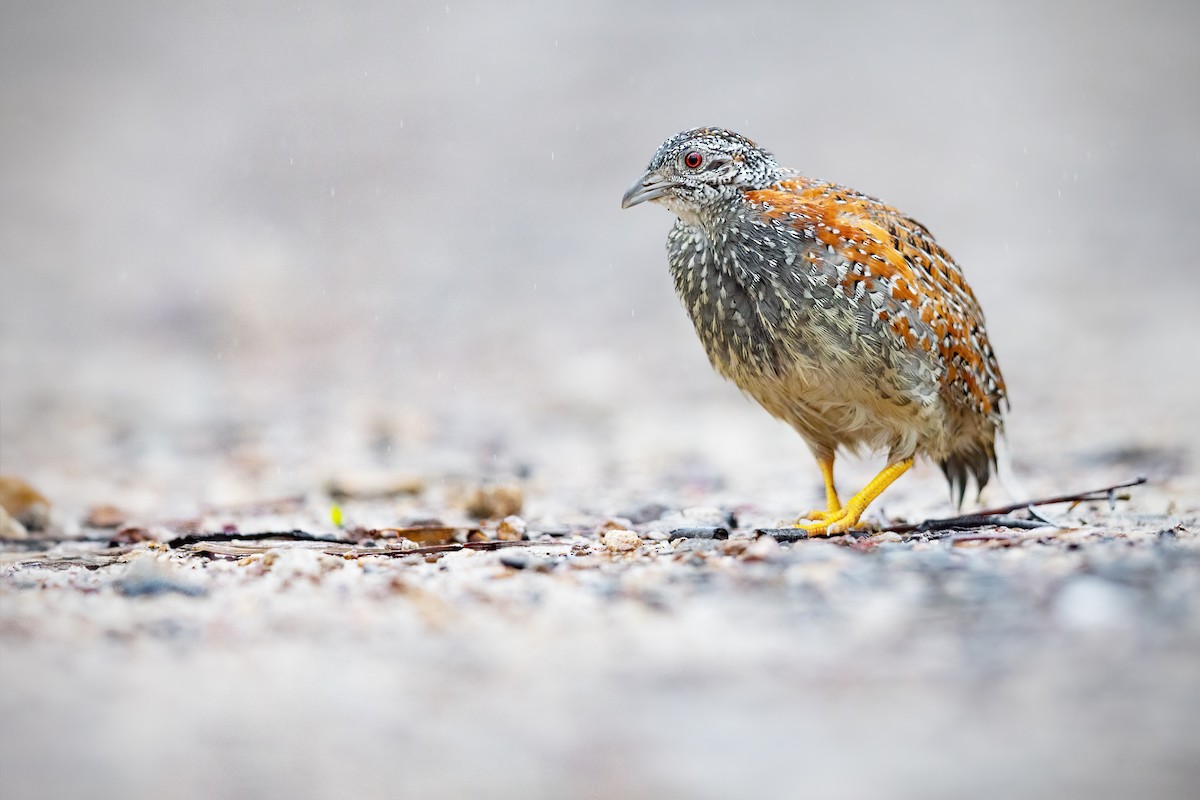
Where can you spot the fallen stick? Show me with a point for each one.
(981, 518)
(290, 536)
(304, 536)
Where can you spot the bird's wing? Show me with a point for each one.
(935, 309)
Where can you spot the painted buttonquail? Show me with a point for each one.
(838, 314)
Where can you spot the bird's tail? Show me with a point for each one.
(979, 462)
(961, 466)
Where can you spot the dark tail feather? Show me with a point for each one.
(977, 463)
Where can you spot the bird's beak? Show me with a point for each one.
(650, 186)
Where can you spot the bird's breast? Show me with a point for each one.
(761, 299)
(769, 307)
(736, 311)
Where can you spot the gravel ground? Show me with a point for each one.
(1046, 663)
(267, 267)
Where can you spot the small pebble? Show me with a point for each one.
(105, 516)
(621, 541)
(700, 533)
(784, 534)
(511, 529)
(10, 528)
(24, 504)
(433, 534)
(613, 524)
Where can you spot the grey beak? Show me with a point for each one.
(650, 186)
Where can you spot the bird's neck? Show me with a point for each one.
(711, 224)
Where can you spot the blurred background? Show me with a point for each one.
(244, 245)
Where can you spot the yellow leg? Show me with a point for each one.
(833, 506)
(849, 515)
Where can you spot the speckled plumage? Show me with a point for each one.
(840, 315)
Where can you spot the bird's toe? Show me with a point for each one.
(828, 523)
(818, 516)
(812, 528)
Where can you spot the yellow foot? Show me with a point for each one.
(830, 523)
(827, 523)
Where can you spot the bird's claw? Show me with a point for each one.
(827, 523)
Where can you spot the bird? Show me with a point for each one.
(840, 315)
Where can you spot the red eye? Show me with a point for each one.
(693, 159)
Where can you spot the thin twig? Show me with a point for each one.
(291, 536)
(977, 521)
(967, 520)
(1077, 497)
(935, 526)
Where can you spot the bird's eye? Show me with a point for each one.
(693, 160)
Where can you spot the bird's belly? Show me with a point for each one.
(868, 402)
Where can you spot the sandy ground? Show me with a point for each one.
(245, 251)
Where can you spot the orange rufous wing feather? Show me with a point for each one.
(888, 251)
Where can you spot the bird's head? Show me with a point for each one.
(701, 167)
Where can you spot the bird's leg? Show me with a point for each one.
(833, 506)
(849, 515)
